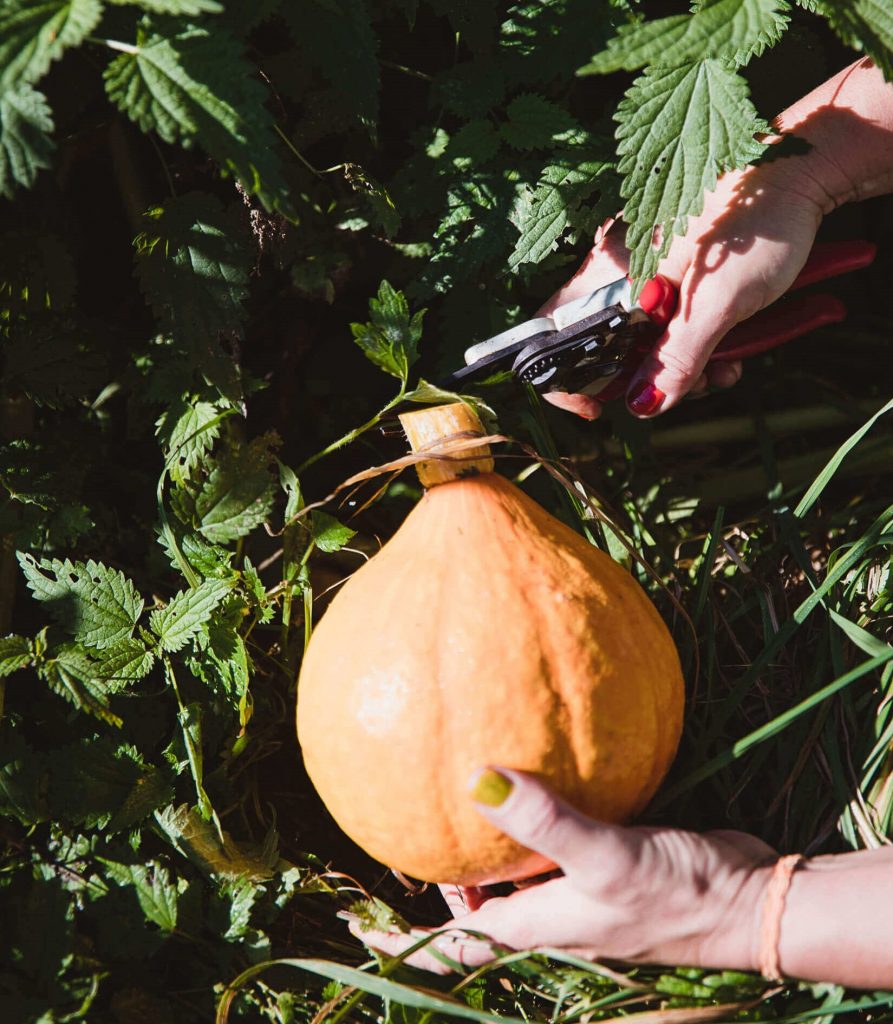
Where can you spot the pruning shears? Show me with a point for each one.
(593, 344)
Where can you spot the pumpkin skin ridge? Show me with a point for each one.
(524, 576)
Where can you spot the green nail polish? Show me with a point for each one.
(491, 788)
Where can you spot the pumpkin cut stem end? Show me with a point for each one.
(443, 430)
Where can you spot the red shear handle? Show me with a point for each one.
(778, 324)
(828, 259)
(782, 322)
(658, 299)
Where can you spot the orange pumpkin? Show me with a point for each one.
(484, 632)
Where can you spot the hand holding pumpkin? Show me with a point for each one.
(642, 895)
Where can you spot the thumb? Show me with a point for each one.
(520, 805)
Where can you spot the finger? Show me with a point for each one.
(438, 956)
(461, 899)
(584, 406)
(680, 356)
(699, 388)
(723, 375)
(527, 810)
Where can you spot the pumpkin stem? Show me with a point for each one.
(445, 429)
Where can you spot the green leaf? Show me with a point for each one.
(196, 87)
(182, 618)
(473, 144)
(188, 431)
(535, 122)
(97, 605)
(34, 33)
(156, 893)
(679, 128)
(73, 675)
(542, 215)
(22, 780)
(192, 262)
(338, 40)
(99, 783)
(866, 25)
(25, 144)
(50, 359)
(188, 8)
(376, 915)
(36, 274)
(126, 662)
(198, 840)
(238, 493)
(45, 931)
(872, 645)
(391, 337)
(15, 653)
(328, 533)
(734, 30)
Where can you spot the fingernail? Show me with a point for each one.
(645, 399)
(491, 788)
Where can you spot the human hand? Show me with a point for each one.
(646, 895)
(741, 254)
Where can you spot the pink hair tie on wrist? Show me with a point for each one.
(773, 907)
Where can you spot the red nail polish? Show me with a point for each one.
(645, 399)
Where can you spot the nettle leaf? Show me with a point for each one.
(185, 614)
(36, 273)
(679, 128)
(542, 215)
(328, 533)
(45, 926)
(156, 893)
(731, 29)
(189, 8)
(192, 262)
(376, 915)
(22, 780)
(127, 662)
(866, 25)
(196, 87)
(188, 430)
(534, 122)
(545, 41)
(238, 494)
(73, 675)
(34, 34)
(391, 337)
(49, 358)
(222, 662)
(338, 40)
(99, 783)
(199, 841)
(97, 605)
(26, 122)
(473, 144)
(15, 652)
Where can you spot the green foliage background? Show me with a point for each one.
(200, 202)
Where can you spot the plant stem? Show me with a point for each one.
(352, 435)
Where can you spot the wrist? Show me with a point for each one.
(848, 124)
(733, 939)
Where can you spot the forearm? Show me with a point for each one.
(848, 122)
(838, 920)
(836, 923)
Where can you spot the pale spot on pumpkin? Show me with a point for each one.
(381, 700)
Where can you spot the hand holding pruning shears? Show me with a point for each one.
(694, 322)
